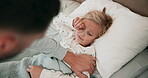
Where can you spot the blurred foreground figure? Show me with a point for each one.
(22, 22)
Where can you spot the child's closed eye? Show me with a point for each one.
(89, 33)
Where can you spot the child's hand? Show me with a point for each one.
(35, 71)
(78, 23)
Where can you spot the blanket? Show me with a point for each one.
(17, 69)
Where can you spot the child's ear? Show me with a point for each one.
(7, 43)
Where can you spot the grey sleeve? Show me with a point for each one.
(49, 46)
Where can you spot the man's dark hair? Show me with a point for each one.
(27, 16)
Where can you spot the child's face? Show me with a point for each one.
(88, 32)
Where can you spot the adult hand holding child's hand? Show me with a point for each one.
(80, 63)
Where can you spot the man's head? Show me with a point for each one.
(22, 22)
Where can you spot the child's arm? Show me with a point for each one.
(39, 72)
(55, 74)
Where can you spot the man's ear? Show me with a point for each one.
(7, 43)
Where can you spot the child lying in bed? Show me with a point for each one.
(78, 38)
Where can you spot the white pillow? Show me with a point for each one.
(127, 36)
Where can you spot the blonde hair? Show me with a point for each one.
(100, 18)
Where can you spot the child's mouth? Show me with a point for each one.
(79, 37)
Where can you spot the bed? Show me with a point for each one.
(138, 66)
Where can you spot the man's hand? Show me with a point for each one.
(80, 63)
(35, 71)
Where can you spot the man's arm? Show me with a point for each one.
(78, 63)
(38, 71)
(49, 46)
(44, 45)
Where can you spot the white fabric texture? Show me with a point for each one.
(127, 36)
(55, 74)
